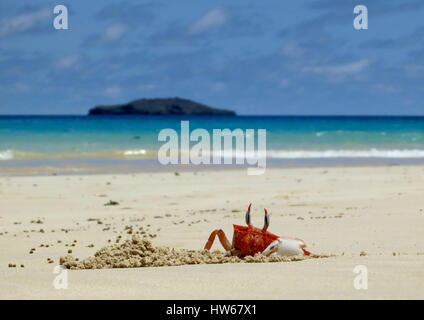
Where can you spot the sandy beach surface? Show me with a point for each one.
(369, 216)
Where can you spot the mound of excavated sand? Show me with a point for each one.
(137, 252)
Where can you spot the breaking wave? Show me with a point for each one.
(11, 155)
(135, 152)
(6, 155)
(371, 153)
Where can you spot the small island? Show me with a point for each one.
(159, 106)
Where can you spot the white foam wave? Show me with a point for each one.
(6, 155)
(371, 153)
(135, 152)
(317, 154)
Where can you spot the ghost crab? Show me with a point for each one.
(251, 240)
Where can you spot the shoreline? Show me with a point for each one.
(136, 166)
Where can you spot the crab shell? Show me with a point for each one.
(251, 240)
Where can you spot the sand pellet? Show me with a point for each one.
(137, 252)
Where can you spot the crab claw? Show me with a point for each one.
(286, 247)
(273, 247)
(266, 221)
(248, 215)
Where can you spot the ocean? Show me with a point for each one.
(65, 140)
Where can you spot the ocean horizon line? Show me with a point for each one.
(220, 116)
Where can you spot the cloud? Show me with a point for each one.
(112, 91)
(291, 50)
(67, 62)
(110, 35)
(218, 87)
(284, 83)
(378, 7)
(315, 36)
(122, 18)
(322, 29)
(23, 22)
(114, 33)
(340, 70)
(412, 39)
(213, 19)
(23, 66)
(225, 55)
(21, 87)
(414, 71)
(387, 88)
(223, 22)
(128, 13)
(146, 87)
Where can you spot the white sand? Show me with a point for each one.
(378, 211)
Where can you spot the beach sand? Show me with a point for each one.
(370, 216)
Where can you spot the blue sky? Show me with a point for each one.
(256, 57)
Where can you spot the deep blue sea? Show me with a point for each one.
(46, 138)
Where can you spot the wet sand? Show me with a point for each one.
(371, 216)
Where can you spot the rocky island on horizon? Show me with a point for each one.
(159, 106)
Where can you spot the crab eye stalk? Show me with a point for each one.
(266, 221)
(248, 215)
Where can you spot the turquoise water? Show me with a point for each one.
(135, 137)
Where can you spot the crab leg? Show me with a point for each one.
(222, 238)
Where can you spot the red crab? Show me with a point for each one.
(251, 240)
